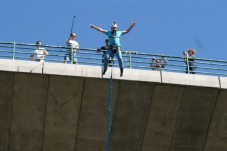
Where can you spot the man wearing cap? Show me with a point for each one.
(72, 49)
(114, 44)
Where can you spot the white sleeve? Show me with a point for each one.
(35, 52)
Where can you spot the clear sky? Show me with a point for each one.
(162, 26)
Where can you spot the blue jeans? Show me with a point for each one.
(108, 54)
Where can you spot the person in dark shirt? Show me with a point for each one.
(104, 49)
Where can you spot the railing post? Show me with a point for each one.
(187, 62)
(72, 55)
(130, 60)
(14, 49)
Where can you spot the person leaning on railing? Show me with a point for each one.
(39, 54)
(190, 62)
(104, 49)
(72, 49)
(156, 64)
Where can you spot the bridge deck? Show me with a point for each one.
(46, 107)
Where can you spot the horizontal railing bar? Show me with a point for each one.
(212, 68)
(211, 63)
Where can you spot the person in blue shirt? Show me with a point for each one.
(114, 44)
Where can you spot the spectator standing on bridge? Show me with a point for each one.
(191, 61)
(39, 54)
(104, 49)
(156, 64)
(114, 44)
(72, 49)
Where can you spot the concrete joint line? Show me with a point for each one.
(161, 76)
(219, 82)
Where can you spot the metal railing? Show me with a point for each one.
(132, 59)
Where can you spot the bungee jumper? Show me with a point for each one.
(114, 44)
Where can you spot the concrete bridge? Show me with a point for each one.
(59, 107)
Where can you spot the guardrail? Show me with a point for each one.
(132, 59)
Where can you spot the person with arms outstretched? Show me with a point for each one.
(114, 44)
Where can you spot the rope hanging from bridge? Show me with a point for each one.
(109, 108)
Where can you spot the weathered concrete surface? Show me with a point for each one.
(6, 86)
(64, 107)
(190, 79)
(132, 107)
(217, 136)
(72, 70)
(223, 82)
(28, 111)
(194, 118)
(21, 66)
(96, 72)
(92, 129)
(163, 115)
(62, 113)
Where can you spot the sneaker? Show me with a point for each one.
(104, 71)
(121, 75)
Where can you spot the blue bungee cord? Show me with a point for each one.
(109, 108)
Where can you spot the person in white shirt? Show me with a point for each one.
(72, 49)
(39, 54)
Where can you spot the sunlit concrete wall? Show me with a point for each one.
(49, 106)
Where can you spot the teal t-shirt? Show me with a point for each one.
(114, 39)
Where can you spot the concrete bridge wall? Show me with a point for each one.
(46, 107)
